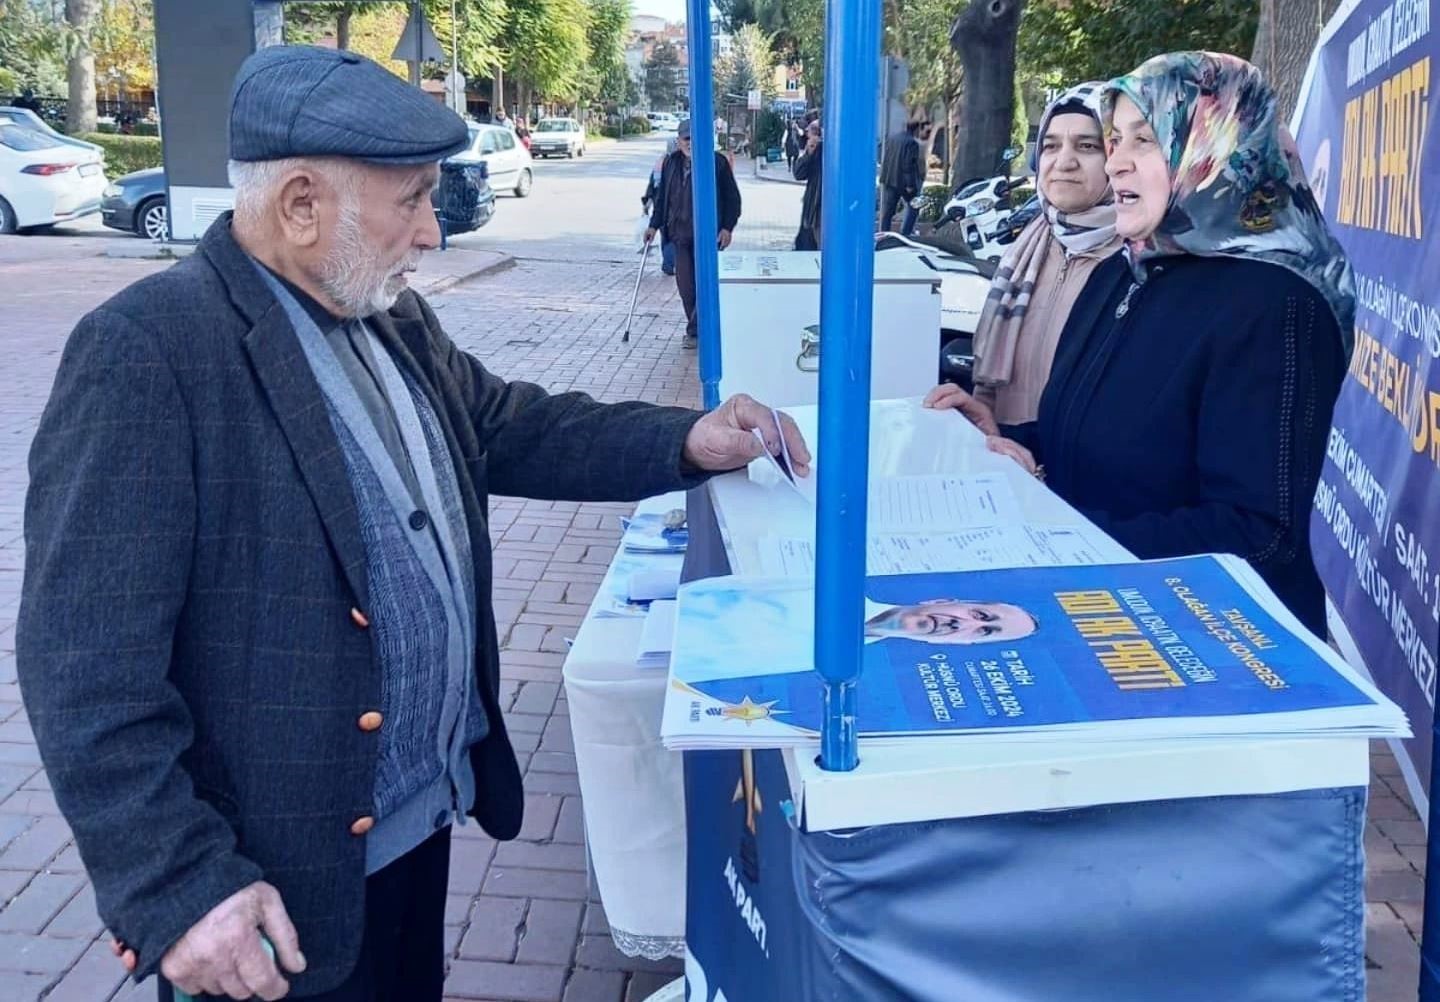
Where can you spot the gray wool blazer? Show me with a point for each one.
(187, 649)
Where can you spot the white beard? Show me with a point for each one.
(353, 275)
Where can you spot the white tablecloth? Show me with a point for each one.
(632, 788)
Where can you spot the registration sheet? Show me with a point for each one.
(984, 548)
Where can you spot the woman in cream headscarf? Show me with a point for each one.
(1045, 270)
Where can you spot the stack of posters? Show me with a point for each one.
(1189, 648)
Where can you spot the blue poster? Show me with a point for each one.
(1364, 131)
(1176, 647)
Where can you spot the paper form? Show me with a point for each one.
(940, 502)
(965, 550)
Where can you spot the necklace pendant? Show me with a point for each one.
(1124, 306)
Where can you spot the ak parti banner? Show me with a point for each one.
(1365, 132)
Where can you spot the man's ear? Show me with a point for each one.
(297, 208)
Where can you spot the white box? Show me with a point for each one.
(768, 299)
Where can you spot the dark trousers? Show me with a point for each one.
(685, 282)
(805, 240)
(402, 957)
(892, 200)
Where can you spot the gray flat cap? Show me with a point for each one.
(304, 101)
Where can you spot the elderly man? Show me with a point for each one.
(255, 639)
(674, 212)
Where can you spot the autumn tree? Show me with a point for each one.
(124, 43)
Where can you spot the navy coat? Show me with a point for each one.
(192, 642)
(1196, 422)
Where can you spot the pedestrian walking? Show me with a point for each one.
(674, 213)
(902, 175)
(808, 168)
(792, 145)
(647, 202)
(255, 639)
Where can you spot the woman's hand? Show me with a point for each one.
(1016, 451)
(948, 396)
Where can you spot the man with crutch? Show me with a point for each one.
(674, 212)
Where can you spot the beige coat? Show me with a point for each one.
(1057, 287)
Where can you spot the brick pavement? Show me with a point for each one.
(520, 920)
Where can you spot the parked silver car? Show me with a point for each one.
(507, 159)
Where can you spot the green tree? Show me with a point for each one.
(796, 29)
(308, 22)
(605, 70)
(1065, 42)
(545, 47)
(32, 50)
(749, 65)
(372, 29)
(662, 76)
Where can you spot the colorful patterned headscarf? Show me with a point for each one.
(1237, 186)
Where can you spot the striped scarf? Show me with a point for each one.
(1003, 317)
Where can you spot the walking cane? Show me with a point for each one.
(635, 296)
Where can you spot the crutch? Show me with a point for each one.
(635, 296)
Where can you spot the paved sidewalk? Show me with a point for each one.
(522, 927)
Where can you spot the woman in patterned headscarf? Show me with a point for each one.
(1043, 273)
(1189, 403)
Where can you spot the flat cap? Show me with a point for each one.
(305, 101)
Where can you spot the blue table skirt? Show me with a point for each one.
(1232, 899)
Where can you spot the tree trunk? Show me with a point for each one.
(80, 111)
(497, 91)
(342, 28)
(983, 36)
(1287, 34)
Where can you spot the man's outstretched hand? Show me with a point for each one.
(724, 439)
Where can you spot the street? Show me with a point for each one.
(521, 923)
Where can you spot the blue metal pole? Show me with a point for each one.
(702, 147)
(847, 286)
(1430, 937)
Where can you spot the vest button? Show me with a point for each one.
(371, 721)
(362, 825)
(358, 618)
(419, 520)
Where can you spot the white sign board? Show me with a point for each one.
(753, 100)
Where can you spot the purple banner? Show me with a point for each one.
(1364, 132)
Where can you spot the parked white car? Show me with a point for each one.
(505, 157)
(558, 137)
(663, 121)
(44, 181)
